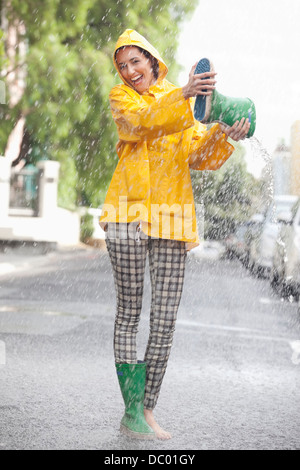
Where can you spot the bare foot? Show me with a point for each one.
(160, 433)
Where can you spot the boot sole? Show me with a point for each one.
(137, 435)
(202, 107)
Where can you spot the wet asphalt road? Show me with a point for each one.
(233, 377)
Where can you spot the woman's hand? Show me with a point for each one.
(238, 131)
(199, 84)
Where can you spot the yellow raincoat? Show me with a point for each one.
(159, 141)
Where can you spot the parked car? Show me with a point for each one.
(262, 245)
(285, 274)
(237, 243)
(254, 227)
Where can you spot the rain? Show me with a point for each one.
(232, 378)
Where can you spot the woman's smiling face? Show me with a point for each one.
(135, 68)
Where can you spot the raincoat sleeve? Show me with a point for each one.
(138, 120)
(209, 149)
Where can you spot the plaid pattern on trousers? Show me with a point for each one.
(167, 268)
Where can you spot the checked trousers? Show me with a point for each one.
(167, 266)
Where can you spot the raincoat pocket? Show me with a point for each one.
(136, 179)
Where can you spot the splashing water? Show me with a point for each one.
(259, 151)
(258, 148)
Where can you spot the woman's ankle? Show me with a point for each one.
(160, 433)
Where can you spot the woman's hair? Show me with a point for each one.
(153, 60)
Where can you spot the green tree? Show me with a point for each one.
(69, 73)
(1, 49)
(2, 61)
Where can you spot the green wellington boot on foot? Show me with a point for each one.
(132, 378)
(220, 108)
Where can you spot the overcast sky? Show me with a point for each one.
(255, 48)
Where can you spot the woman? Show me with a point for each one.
(149, 209)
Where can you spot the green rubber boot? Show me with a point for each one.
(220, 108)
(224, 109)
(132, 378)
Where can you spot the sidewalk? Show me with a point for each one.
(209, 250)
(22, 257)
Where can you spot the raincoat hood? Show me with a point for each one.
(133, 38)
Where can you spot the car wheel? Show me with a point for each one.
(286, 290)
(275, 281)
(260, 272)
(245, 260)
(252, 267)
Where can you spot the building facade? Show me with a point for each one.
(281, 164)
(295, 158)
